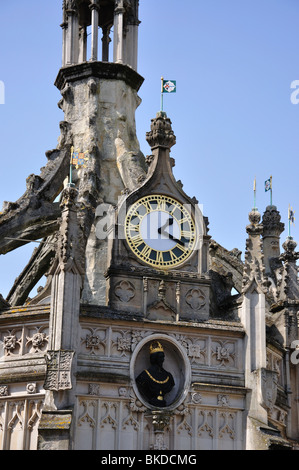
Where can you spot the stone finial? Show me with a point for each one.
(271, 222)
(289, 246)
(290, 275)
(254, 218)
(161, 133)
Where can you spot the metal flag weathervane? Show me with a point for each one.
(167, 86)
(291, 218)
(268, 187)
(254, 192)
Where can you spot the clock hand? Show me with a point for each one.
(171, 237)
(162, 231)
(168, 222)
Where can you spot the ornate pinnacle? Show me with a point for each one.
(271, 221)
(289, 246)
(161, 133)
(255, 227)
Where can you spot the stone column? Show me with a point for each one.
(82, 44)
(105, 43)
(72, 36)
(132, 45)
(64, 26)
(290, 296)
(64, 41)
(67, 278)
(119, 32)
(260, 382)
(94, 30)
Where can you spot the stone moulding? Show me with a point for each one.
(110, 71)
(60, 419)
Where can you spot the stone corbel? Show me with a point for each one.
(160, 422)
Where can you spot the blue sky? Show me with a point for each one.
(234, 62)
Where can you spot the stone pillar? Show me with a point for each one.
(67, 278)
(64, 37)
(94, 30)
(72, 36)
(132, 45)
(290, 296)
(259, 381)
(82, 44)
(119, 31)
(105, 43)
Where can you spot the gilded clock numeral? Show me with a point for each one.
(173, 256)
(186, 234)
(137, 240)
(147, 206)
(161, 205)
(133, 227)
(183, 220)
(159, 258)
(182, 248)
(146, 251)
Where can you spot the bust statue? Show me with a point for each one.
(155, 382)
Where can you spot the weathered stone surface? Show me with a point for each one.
(35, 215)
(54, 431)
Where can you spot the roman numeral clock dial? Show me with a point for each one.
(160, 231)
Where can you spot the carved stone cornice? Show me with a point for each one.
(101, 70)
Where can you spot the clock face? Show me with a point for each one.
(160, 231)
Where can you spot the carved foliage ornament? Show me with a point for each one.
(11, 343)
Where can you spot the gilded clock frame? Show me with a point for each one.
(160, 259)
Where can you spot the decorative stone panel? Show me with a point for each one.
(23, 340)
(204, 421)
(19, 419)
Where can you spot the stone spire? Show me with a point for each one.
(160, 138)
